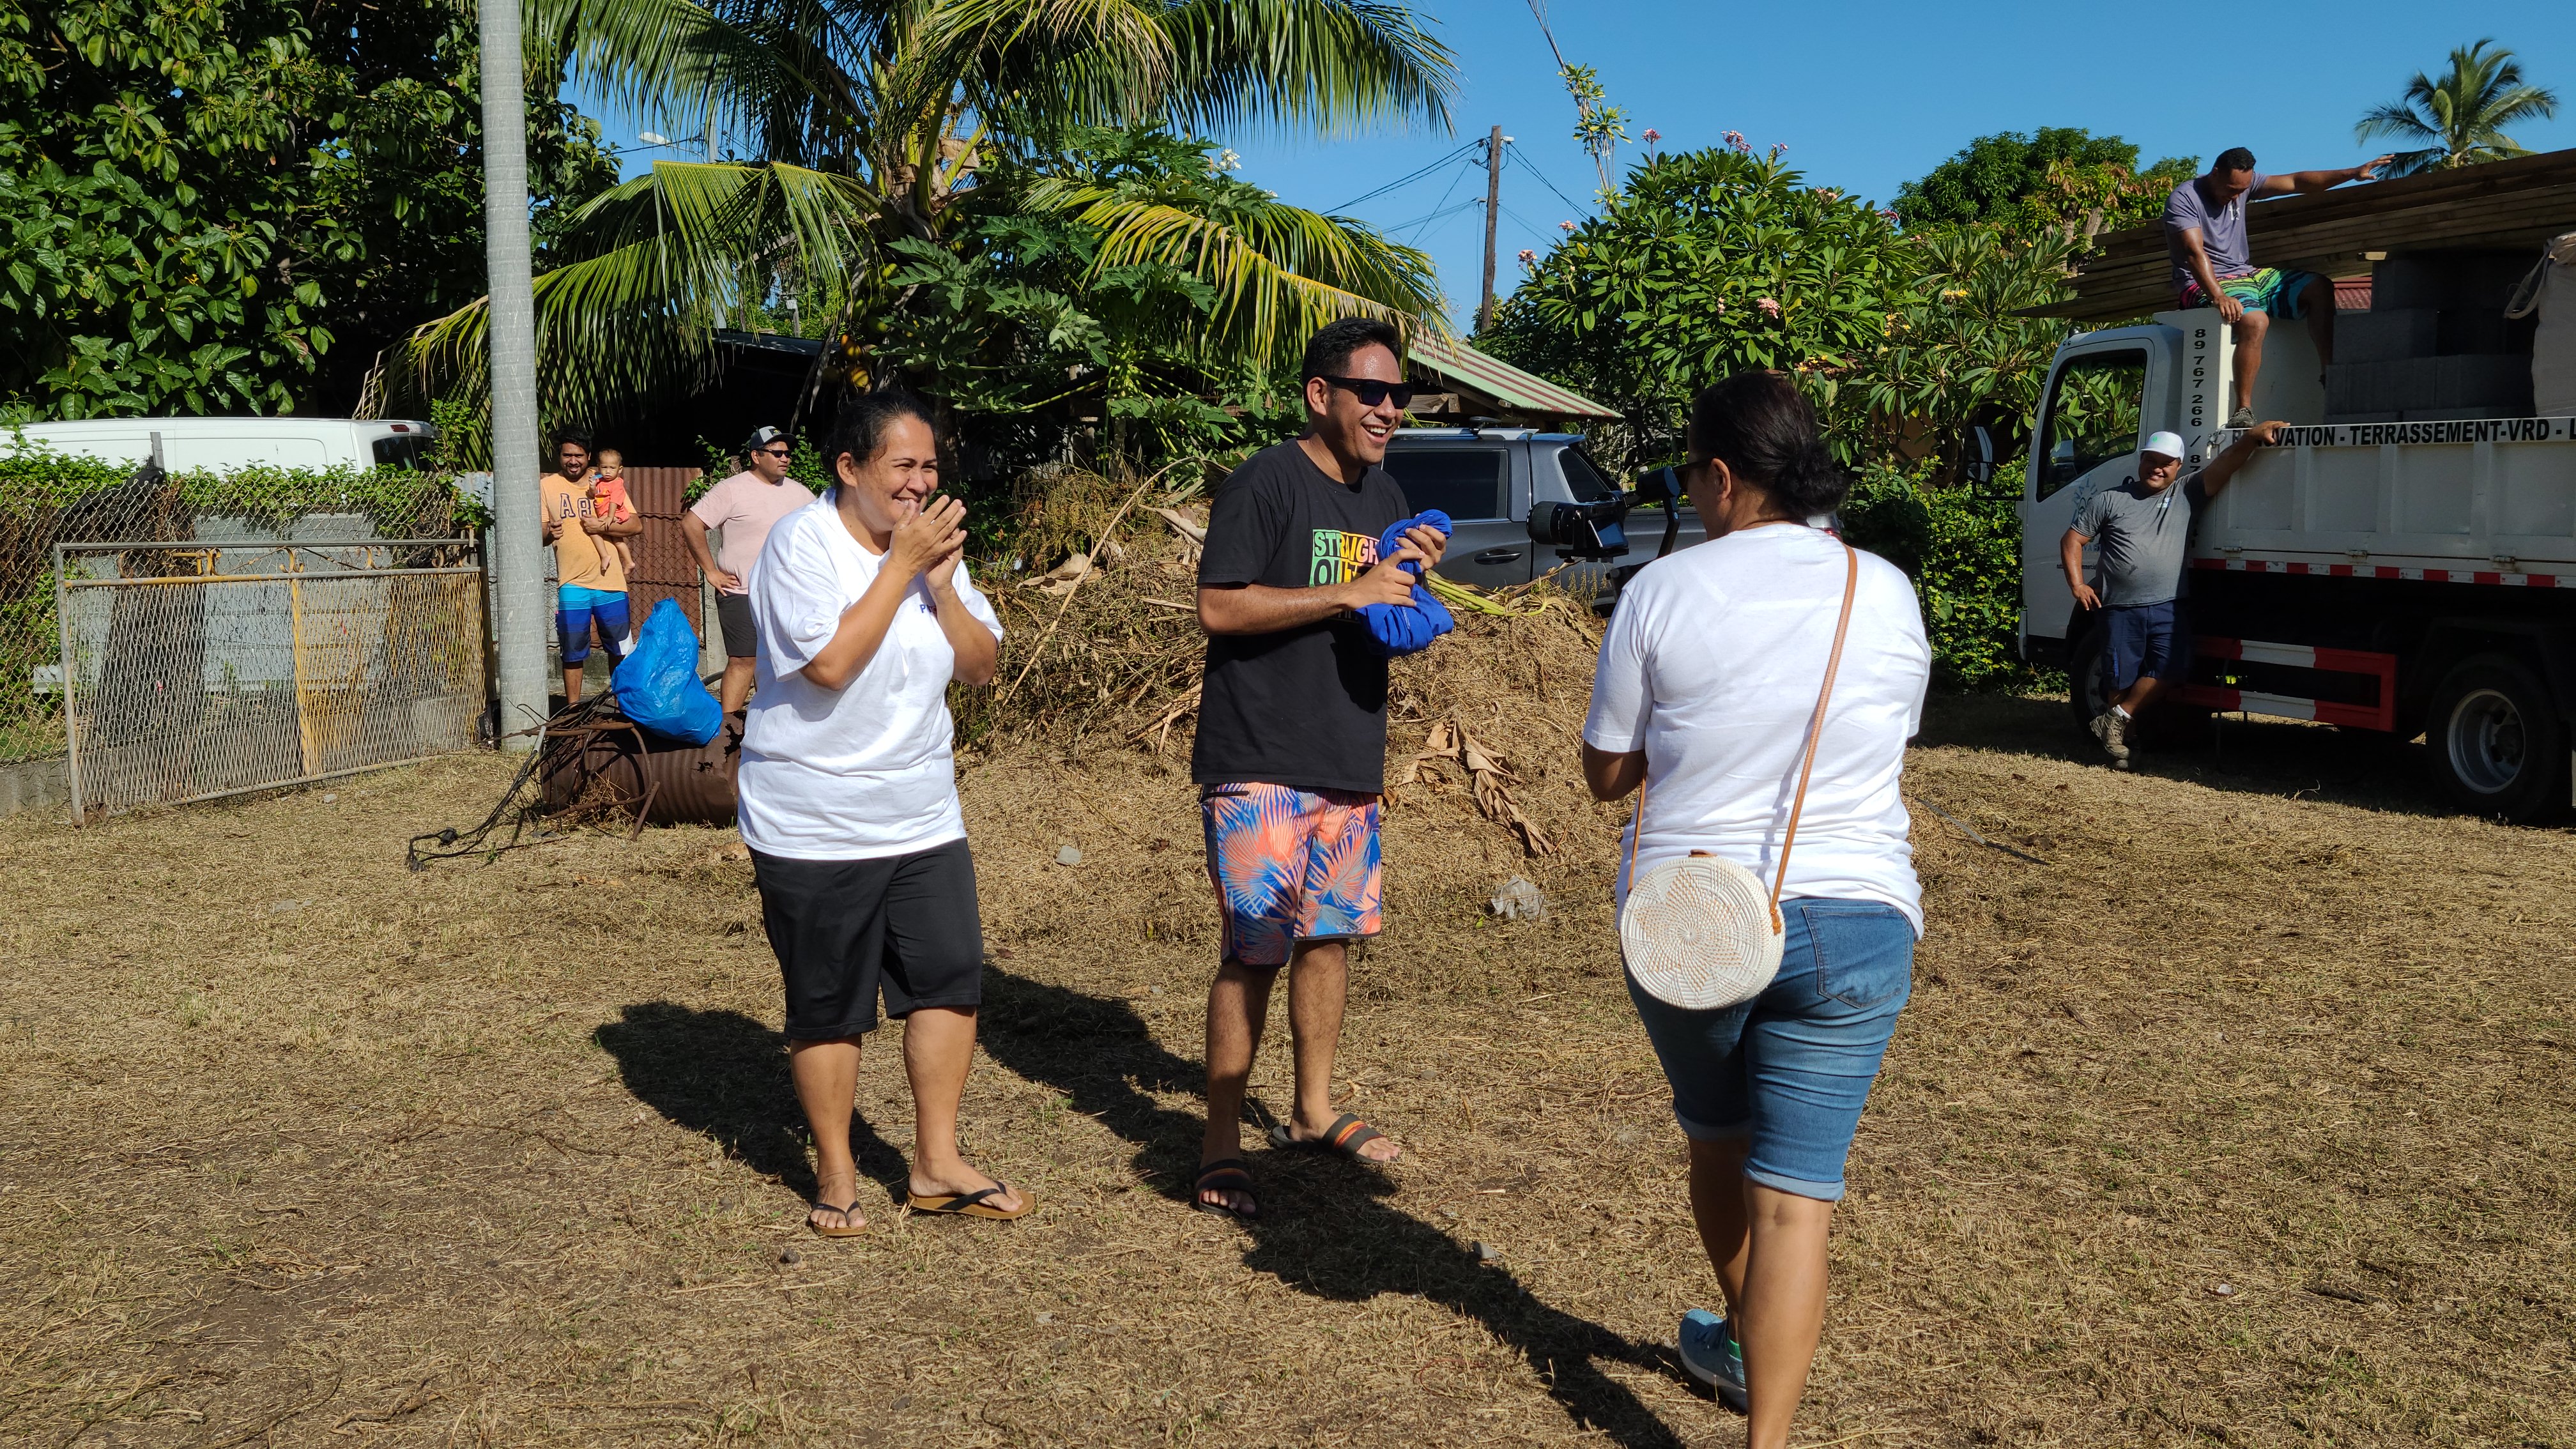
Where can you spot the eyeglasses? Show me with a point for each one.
(1371, 392)
(773, 452)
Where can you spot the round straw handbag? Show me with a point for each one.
(1700, 932)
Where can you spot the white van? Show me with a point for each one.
(223, 444)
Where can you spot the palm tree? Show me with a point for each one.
(873, 119)
(2462, 115)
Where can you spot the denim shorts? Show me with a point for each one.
(2153, 640)
(1790, 1068)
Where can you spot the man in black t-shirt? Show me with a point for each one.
(1291, 749)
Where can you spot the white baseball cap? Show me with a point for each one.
(2168, 444)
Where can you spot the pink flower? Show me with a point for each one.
(1653, 135)
(1736, 141)
(1777, 147)
(1528, 258)
(1565, 226)
(1769, 307)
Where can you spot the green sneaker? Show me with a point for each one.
(1712, 1356)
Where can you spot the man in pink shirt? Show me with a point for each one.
(744, 506)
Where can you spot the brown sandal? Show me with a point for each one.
(847, 1211)
(971, 1204)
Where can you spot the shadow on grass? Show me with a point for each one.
(2248, 755)
(725, 1075)
(1325, 1229)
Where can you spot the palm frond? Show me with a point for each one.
(1279, 271)
(1324, 67)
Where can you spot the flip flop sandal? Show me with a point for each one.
(1224, 1175)
(970, 1204)
(1346, 1136)
(846, 1229)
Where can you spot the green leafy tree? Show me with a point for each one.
(2052, 177)
(2461, 117)
(881, 121)
(207, 206)
(1706, 263)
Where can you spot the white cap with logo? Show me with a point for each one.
(2167, 444)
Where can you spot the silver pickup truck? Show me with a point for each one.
(1488, 479)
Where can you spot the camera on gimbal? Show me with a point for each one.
(1598, 530)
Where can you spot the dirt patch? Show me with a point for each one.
(297, 1147)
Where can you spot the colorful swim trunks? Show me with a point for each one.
(1290, 866)
(577, 608)
(2266, 289)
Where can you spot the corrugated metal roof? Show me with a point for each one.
(1503, 382)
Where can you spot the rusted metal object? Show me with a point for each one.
(612, 765)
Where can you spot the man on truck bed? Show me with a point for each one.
(2213, 266)
(2145, 536)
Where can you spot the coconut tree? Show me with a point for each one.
(2460, 117)
(867, 122)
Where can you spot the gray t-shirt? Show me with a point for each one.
(2222, 231)
(2143, 537)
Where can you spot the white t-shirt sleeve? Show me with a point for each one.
(795, 597)
(1622, 699)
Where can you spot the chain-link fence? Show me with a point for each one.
(195, 610)
(211, 668)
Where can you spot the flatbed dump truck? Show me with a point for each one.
(2403, 557)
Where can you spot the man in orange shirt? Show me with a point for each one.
(590, 581)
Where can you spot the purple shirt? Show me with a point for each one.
(2222, 231)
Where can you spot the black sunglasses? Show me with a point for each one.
(1371, 392)
(773, 452)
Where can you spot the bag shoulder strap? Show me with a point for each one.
(1807, 767)
(1816, 726)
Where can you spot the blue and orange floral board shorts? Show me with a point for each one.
(1290, 866)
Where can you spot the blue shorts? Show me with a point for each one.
(1790, 1068)
(576, 609)
(1290, 866)
(2152, 641)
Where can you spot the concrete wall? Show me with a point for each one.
(44, 784)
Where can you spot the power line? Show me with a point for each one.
(1527, 165)
(1445, 194)
(1411, 177)
(1429, 217)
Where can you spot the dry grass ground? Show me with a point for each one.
(298, 1148)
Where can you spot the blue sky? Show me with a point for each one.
(1868, 95)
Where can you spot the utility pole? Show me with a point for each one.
(1493, 204)
(512, 547)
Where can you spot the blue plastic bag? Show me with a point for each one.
(1398, 629)
(658, 686)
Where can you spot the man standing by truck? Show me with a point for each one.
(2213, 265)
(2144, 526)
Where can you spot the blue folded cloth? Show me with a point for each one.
(1406, 628)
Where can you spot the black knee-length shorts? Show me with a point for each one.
(846, 929)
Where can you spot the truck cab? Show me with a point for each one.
(1488, 479)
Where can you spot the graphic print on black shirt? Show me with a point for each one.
(1304, 707)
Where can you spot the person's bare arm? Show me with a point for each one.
(2308, 183)
(2070, 555)
(611, 528)
(2196, 258)
(2224, 466)
(695, 531)
(919, 541)
(978, 652)
(1263, 609)
(1611, 776)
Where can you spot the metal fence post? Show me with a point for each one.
(71, 714)
(295, 636)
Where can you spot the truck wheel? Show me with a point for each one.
(2495, 741)
(2084, 693)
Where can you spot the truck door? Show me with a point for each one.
(2091, 422)
(1472, 483)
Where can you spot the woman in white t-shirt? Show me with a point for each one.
(849, 798)
(1708, 682)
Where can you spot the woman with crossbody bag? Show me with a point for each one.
(1757, 692)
